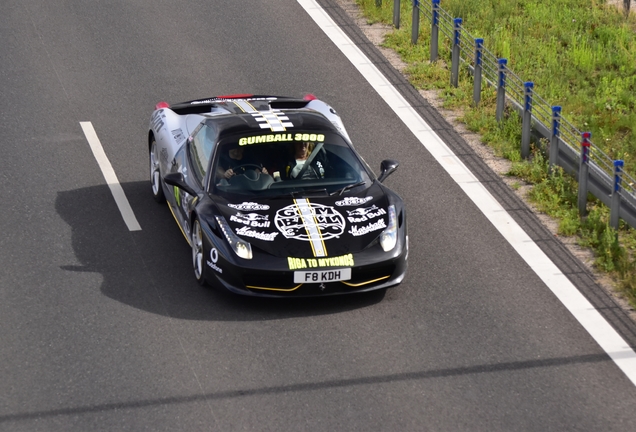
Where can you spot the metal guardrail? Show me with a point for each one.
(568, 147)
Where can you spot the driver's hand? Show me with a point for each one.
(229, 173)
(264, 171)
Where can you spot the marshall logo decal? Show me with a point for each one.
(249, 206)
(247, 232)
(358, 231)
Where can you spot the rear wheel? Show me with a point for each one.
(198, 253)
(155, 174)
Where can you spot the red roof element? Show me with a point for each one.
(309, 97)
(162, 105)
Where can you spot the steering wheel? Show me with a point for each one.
(251, 178)
(250, 171)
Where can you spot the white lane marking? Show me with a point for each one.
(602, 332)
(110, 176)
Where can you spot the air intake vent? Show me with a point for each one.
(288, 104)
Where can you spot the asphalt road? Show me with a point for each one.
(102, 328)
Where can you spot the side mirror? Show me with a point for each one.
(387, 167)
(176, 179)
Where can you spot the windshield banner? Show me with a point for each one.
(259, 139)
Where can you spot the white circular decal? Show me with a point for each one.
(309, 223)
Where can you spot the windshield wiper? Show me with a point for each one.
(309, 192)
(347, 187)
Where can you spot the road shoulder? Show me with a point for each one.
(375, 33)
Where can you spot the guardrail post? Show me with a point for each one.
(615, 204)
(501, 88)
(435, 31)
(554, 136)
(583, 172)
(526, 126)
(479, 48)
(396, 14)
(415, 27)
(457, 29)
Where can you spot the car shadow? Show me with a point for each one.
(151, 269)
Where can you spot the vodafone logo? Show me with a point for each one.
(214, 257)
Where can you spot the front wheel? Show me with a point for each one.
(198, 253)
(155, 174)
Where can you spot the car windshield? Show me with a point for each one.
(283, 163)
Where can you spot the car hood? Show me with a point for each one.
(310, 227)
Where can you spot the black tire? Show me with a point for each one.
(198, 253)
(155, 174)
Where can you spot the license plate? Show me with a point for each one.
(320, 276)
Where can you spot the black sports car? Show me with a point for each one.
(273, 198)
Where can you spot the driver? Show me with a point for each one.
(236, 157)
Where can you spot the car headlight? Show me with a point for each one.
(388, 238)
(242, 248)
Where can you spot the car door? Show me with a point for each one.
(191, 161)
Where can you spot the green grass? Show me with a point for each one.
(580, 55)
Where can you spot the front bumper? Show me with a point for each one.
(267, 276)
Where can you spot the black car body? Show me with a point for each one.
(264, 221)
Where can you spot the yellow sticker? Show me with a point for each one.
(260, 139)
(309, 137)
(303, 263)
(177, 195)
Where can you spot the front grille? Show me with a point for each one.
(371, 273)
(283, 283)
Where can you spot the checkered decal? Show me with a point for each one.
(274, 120)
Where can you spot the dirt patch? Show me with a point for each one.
(620, 4)
(376, 33)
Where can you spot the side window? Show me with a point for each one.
(200, 151)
